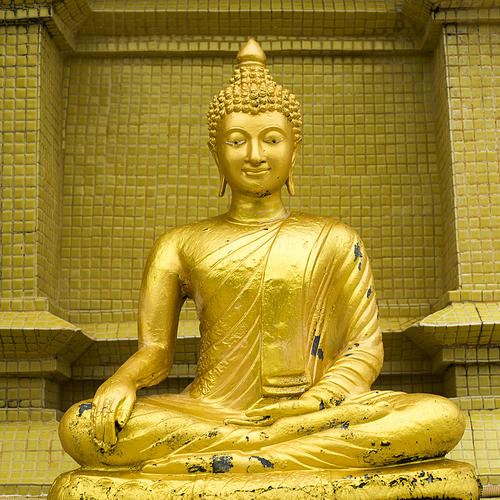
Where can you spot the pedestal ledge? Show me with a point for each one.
(431, 479)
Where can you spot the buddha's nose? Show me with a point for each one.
(256, 154)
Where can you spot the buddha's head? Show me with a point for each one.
(255, 106)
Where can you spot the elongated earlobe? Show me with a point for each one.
(223, 182)
(222, 186)
(289, 182)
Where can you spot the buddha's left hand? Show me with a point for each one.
(267, 415)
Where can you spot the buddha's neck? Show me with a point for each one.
(249, 209)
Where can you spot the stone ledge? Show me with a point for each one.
(40, 335)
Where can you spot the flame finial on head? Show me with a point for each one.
(251, 53)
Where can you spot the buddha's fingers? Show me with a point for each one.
(285, 409)
(110, 437)
(363, 412)
(263, 422)
(97, 421)
(112, 405)
(114, 417)
(105, 433)
(104, 421)
(123, 412)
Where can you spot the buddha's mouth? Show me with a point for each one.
(255, 174)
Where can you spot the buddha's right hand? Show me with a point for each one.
(111, 409)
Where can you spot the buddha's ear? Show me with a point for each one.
(289, 182)
(223, 182)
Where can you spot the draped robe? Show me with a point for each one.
(283, 307)
(286, 308)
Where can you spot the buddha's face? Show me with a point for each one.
(255, 153)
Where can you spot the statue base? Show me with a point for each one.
(430, 479)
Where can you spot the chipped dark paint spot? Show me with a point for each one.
(321, 405)
(337, 401)
(430, 479)
(335, 424)
(267, 464)
(196, 468)
(359, 266)
(357, 252)
(385, 443)
(348, 354)
(369, 292)
(320, 354)
(222, 463)
(315, 345)
(84, 407)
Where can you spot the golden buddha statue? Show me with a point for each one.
(290, 337)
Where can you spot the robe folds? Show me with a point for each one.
(287, 308)
(284, 307)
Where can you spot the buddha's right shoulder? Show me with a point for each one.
(177, 237)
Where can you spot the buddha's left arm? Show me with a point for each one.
(354, 320)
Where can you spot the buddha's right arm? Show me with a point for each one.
(160, 303)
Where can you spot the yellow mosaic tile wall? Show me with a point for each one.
(473, 380)
(473, 60)
(25, 446)
(49, 185)
(451, 277)
(400, 145)
(19, 52)
(136, 163)
(31, 78)
(29, 392)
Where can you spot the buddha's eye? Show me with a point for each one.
(274, 140)
(235, 142)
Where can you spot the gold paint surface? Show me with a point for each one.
(395, 205)
(442, 479)
(290, 340)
